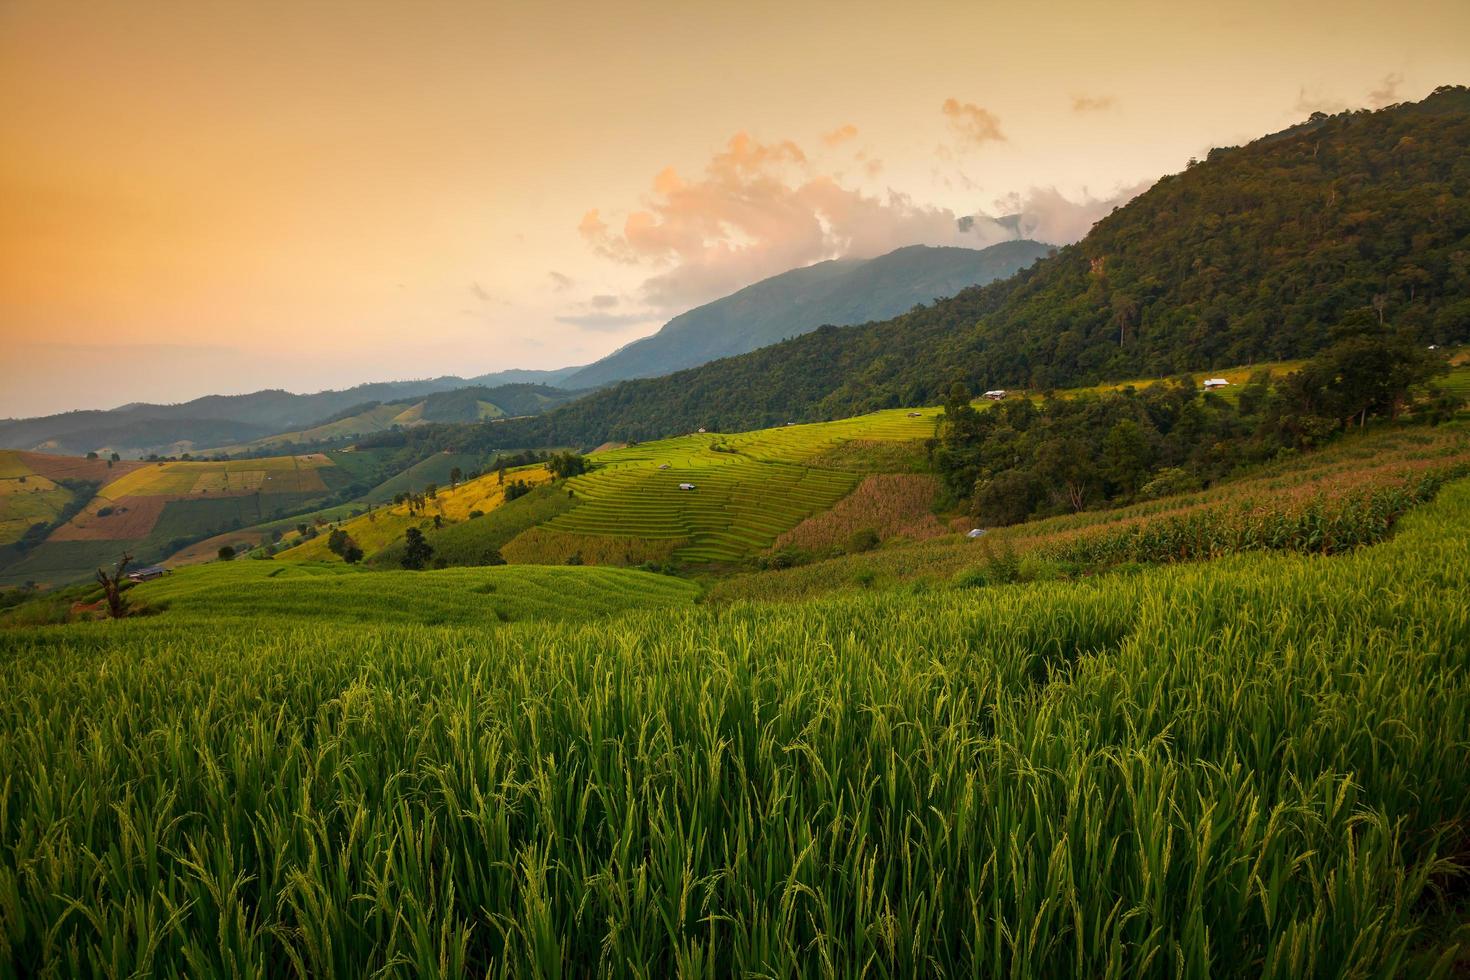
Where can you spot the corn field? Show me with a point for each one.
(1254, 767)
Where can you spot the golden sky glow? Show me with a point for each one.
(200, 197)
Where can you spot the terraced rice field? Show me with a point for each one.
(269, 591)
(748, 488)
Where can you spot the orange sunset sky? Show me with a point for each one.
(220, 197)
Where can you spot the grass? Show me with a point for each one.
(255, 592)
(1253, 767)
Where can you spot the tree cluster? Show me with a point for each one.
(1022, 459)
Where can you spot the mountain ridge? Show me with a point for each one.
(837, 292)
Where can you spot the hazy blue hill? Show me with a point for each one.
(221, 420)
(839, 292)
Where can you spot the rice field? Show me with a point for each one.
(255, 592)
(276, 474)
(1247, 768)
(748, 488)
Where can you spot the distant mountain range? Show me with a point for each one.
(234, 420)
(840, 293)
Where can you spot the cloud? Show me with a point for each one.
(480, 293)
(559, 282)
(973, 124)
(1045, 214)
(603, 301)
(1312, 100)
(840, 135)
(607, 321)
(1387, 92)
(1087, 103)
(761, 209)
(756, 210)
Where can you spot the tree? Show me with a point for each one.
(117, 604)
(116, 458)
(454, 477)
(92, 455)
(226, 553)
(564, 465)
(1126, 455)
(1065, 465)
(416, 550)
(340, 543)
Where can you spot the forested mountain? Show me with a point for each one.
(1254, 253)
(839, 292)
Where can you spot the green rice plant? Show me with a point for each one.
(1252, 767)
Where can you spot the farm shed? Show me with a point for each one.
(147, 574)
(1213, 384)
(996, 395)
(686, 486)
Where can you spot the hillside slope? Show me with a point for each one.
(839, 292)
(1253, 254)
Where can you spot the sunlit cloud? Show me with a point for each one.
(840, 135)
(974, 125)
(1087, 103)
(757, 209)
(1387, 92)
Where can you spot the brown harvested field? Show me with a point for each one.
(208, 549)
(892, 504)
(132, 518)
(78, 468)
(542, 546)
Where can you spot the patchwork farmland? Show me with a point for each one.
(149, 509)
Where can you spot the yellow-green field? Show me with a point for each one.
(26, 498)
(308, 592)
(748, 487)
(381, 527)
